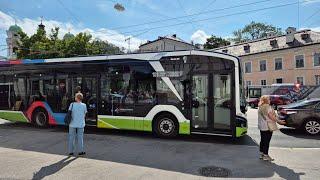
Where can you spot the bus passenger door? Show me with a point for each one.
(89, 91)
(223, 101)
(212, 103)
(200, 102)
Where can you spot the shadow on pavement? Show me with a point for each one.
(298, 133)
(184, 154)
(285, 172)
(53, 168)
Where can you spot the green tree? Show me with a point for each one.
(255, 30)
(215, 42)
(42, 46)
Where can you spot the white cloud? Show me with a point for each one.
(29, 26)
(316, 29)
(199, 37)
(310, 1)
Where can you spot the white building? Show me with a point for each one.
(166, 43)
(13, 39)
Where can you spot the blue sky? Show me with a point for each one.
(100, 18)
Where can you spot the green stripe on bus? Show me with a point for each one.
(184, 127)
(140, 125)
(117, 123)
(13, 116)
(128, 124)
(241, 131)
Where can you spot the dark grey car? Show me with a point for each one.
(304, 114)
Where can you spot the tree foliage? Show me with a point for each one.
(41, 46)
(255, 30)
(215, 42)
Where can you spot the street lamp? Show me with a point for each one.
(119, 7)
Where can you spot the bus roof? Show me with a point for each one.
(138, 56)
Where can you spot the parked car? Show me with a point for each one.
(275, 101)
(304, 114)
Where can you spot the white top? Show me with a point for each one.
(263, 112)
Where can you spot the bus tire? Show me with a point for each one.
(40, 118)
(165, 125)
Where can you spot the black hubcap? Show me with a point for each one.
(165, 126)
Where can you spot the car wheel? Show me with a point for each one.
(166, 126)
(40, 118)
(312, 126)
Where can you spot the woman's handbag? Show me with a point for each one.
(68, 117)
(272, 125)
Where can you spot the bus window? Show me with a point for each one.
(6, 93)
(222, 101)
(19, 94)
(254, 92)
(118, 91)
(145, 85)
(89, 91)
(63, 95)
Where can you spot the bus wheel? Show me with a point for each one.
(166, 125)
(40, 117)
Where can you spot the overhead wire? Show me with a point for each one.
(311, 16)
(190, 15)
(69, 11)
(210, 18)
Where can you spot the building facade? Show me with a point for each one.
(290, 58)
(13, 40)
(165, 43)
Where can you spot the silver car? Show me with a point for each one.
(304, 114)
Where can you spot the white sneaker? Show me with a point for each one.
(261, 155)
(267, 158)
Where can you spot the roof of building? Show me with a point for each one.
(68, 36)
(15, 28)
(171, 37)
(280, 42)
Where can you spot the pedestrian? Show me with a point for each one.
(77, 124)
(267, 120)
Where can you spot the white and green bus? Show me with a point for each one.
(167, 93)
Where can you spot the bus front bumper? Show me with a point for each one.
(241, 126)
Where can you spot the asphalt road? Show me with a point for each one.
(184, 154)
(285, 137)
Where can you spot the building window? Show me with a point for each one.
(279, 81)
(299, 61)
(263, 82)
(248, 83)
(278, 64)
(263, 65)
(247, 66)
(300, 80)
(316, 59)
(246, 48)
(317, 77)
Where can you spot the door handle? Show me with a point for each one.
(195, 104)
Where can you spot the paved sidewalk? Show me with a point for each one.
(27, 152)
(289, 164)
